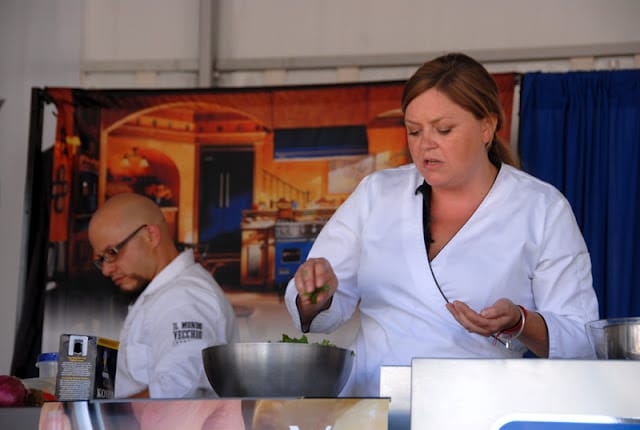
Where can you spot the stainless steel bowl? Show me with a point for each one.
(266, 369)
(615, 338)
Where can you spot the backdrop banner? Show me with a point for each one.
(246, 177)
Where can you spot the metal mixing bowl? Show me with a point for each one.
(266, 369)
(615, 338)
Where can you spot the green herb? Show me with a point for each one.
(288, 339)
(313, 296)
(304, 339)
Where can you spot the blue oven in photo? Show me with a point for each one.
(293, 241)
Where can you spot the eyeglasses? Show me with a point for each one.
(111, 254)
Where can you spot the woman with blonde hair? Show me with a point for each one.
(458, 254)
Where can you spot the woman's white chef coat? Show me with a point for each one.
(182, 311)
(522, 243)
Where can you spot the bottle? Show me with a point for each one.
(48, 367)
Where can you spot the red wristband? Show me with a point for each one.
(519, 324)
(524, 311)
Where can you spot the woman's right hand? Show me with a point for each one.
(316, 283)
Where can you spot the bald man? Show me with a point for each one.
(180, 308)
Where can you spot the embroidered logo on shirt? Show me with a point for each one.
(186, 331)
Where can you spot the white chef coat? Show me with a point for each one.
(182, 311)
(522, 243)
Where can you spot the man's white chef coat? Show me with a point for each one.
(522, 243)
(182, 311)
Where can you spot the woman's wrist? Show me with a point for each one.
(512, 333)
(516, 327)
(307, 315)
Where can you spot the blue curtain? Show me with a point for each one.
(580, 131)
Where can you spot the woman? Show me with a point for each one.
(458, 254)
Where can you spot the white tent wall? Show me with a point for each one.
(40, 45)
(190, 43)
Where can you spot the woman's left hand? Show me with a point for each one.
(502, 315)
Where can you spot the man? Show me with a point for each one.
(180, 308)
